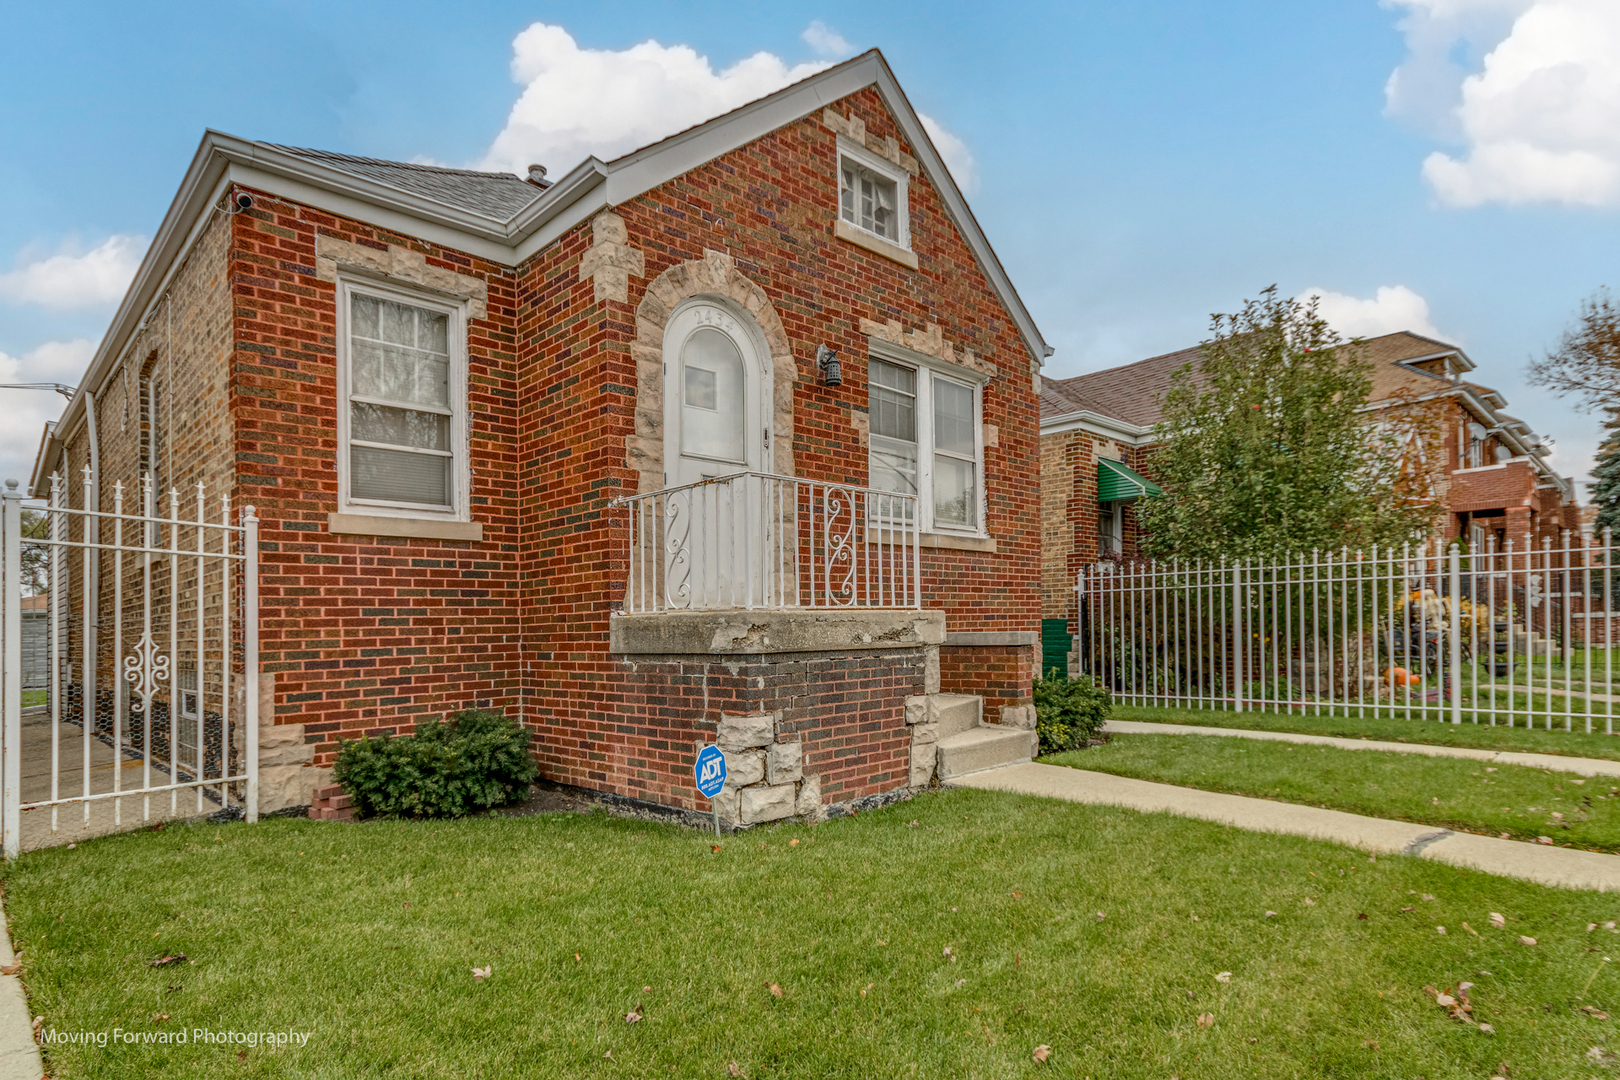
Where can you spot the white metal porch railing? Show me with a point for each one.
(152, 656)
(1521, 635)
(758, 540)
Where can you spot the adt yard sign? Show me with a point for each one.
(710, 771)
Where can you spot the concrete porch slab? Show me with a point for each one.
(773, 630)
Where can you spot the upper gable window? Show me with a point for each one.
(403, 425)
(872, 194)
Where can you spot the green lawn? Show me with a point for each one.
(1456, 794)
(979, 926)
(1479, 736)
(30, 698)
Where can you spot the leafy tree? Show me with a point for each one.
(1586, 362)
(36, 558)
(1264, 449)
(1606, 477)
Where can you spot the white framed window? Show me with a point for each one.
(872, 194)
(402, 426)
(924, 440)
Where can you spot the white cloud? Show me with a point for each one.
(1540, 118)
(826, 41)
(66, 280)
(958, 158)
(27, 411)
(578, 102)
(1391, 308)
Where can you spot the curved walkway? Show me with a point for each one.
(1566, 867)
(1555, 762)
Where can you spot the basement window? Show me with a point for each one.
(402, 430)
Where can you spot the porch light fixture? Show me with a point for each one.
(827, 363)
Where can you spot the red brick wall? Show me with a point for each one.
(1002, 674)
(364, 634)
(639, 740)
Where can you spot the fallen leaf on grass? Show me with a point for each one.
(12, 969)
(166, 961)
(1526, 940)
(1544, 839)
(1594, 1012)
(1206, 1020)
(646, 989)
(867, 987)
(633, 1016)
(1309, 902)
(1470, 929)
(1427, 896)
(1404, 910)
(714, 847)
(794, 842)
(1101, 916)
(775, 989)
(157, 1017)
(1440, 929)
(733, 1069)
(483, 972)
(1497, 920)
(1042, 1052)
(1225, 977)
(1362, 915)
(1486, 1029)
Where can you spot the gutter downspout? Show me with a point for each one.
(93, 584)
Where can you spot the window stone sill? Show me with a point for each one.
(861, 238)
(408, 527)
(950, 541)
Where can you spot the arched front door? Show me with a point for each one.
(715, 391)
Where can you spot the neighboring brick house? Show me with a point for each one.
(1490, 471)
(433, 384)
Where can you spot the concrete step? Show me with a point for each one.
(958, 713)
(983, 748)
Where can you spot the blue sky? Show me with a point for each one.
(1137, 166)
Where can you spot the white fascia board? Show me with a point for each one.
(50, 449)
(1098, 424)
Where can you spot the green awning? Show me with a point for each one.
(1116, 481)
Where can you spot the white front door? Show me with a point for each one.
(714, 392)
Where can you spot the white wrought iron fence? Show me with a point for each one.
(757, 540)
(151, 696)
(1516, 635)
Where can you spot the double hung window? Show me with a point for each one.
(872, 194)
(924, 441)
(403, 421)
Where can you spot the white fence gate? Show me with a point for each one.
(150, 709)
(1520, 635)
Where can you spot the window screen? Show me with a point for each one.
(892, 405)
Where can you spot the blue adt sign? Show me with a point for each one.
(710, 771)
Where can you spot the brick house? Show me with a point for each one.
(1489, 470)
(474, 410)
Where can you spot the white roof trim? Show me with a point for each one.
(587, 189)
(1098, 424)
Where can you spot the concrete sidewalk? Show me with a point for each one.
(1555, 762)
(1541, 864)
(19, 1054)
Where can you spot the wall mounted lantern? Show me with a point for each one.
(827, 363)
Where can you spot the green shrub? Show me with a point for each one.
(1068, 712)
(471, 761)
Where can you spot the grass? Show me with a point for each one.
(945, 937)
(1471, 796)
(1477, 736)
(30, 698)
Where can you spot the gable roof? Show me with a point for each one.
(1129, 394)
(485, 214)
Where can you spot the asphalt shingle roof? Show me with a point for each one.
(493, 195)
(1130, 393)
